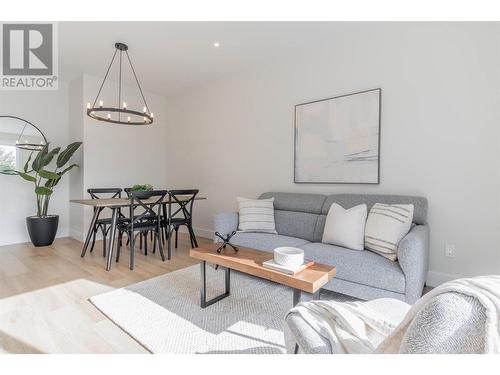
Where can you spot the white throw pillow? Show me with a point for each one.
(387, 224)
(345, 227)
(256, 215)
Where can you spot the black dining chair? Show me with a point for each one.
(149, 220)
(143, 236)
(102, 223)
(183, 215)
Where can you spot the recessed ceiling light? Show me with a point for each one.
(216, 44)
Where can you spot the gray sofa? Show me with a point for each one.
(300, 219)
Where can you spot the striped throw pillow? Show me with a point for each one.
(386, 225)
(256, 215)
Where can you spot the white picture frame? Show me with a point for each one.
(337, 140)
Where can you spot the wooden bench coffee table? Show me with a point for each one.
(250, 261)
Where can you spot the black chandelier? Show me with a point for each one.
(26, 141)
(120, 114)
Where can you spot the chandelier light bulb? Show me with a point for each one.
(88, 105)
(101, 103)
(128, 119)
(109, 116)
(144, 110)
(152, 115)
(17, 142)
(124, 105)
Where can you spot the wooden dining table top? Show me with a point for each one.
(124, 202)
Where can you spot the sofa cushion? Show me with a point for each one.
(295, 224)
(265, 241)
(256, 215)
(345, 228)
(362, 267)
(312, 203)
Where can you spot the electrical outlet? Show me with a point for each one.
(449, 250)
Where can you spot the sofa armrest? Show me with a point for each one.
(225, 223)
(413, 257)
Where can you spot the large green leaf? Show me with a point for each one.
(52, 183)
(38, 162)
(27, 165)
(48, 175)
(50, 155)
(64, 156)
(27, 177)
(42, 190)
(67, 169)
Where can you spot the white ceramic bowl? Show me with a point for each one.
(289, 256)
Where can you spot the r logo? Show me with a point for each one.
(27, 50)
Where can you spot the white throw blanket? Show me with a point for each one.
(353, 327)
(350, 327)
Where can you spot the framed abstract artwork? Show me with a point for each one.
(337, 140)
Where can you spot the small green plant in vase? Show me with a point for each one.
(142, 191)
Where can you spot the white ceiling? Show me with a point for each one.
(173, 56)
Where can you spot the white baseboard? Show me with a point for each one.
(437, 278)
(77, 235)
(205, 233)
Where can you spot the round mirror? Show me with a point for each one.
(18, 139)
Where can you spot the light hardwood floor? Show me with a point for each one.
(44, 293)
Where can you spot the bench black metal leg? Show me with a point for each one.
(203, 290)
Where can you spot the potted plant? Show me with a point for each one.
(42, 227)
(142, 191)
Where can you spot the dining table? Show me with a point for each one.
(115, 205)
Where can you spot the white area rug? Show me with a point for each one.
(164, 315)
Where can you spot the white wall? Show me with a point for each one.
(49, 111)
(76, 177)
(116, 155)
(440, 129)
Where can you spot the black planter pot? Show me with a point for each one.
(42, 230)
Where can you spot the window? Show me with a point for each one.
(7, 157)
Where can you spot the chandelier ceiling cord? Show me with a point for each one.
(131, 117)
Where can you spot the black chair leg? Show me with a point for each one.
(193, 237)
(176, 230)
(132, 251)
(104, 232)
(160, 246)
(145, 235)
(154, 242)
(140, 241)
(119, 246)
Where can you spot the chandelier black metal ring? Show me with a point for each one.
(120, 114)
(26, 141)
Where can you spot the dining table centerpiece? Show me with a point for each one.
(142, 191)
